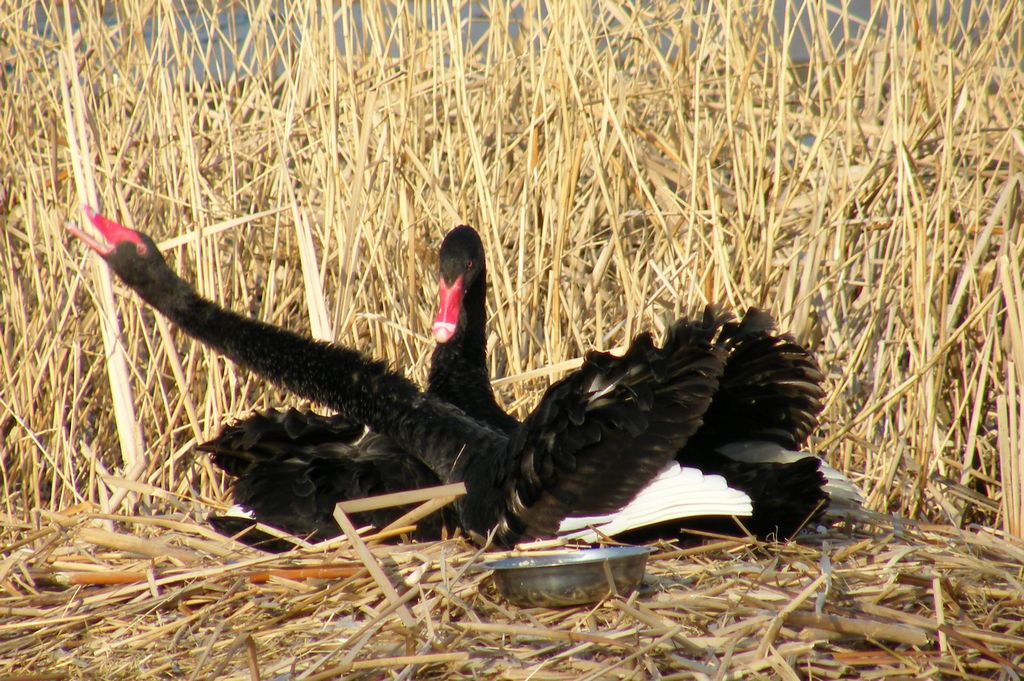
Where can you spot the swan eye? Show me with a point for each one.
(469, 264)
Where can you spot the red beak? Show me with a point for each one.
(449, 302)
(112, 232)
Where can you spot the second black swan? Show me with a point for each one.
(765, 407)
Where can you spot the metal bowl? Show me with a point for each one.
(570, 578)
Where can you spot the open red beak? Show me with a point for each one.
(112, 232)
(449, 302)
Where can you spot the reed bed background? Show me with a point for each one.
(624, 164)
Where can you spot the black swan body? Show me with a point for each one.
(596, 440)
(765, 407)
(293, 467)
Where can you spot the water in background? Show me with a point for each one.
(214, 40)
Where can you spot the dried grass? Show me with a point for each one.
(870, 199)
(167, 598)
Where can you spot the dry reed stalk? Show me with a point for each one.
(75, 112)
(1010, 405)
(451, 491)
(373, 567)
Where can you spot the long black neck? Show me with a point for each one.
(455, 447)
(458, 368)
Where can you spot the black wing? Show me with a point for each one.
(293, 467)
(275, 434)
(770, 389)
(603, 433)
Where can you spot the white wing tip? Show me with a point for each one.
(239, 511)
(675, 494)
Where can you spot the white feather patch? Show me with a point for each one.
(238, 511)
(842, 493)
(676, 493)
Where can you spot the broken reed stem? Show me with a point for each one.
(418, 513)
(413, 496)
(552, 634)
(312, 572)
(788, 609)
(389, 662)
(144, 547)
(878, 631)
(114, 577)
(391, 595)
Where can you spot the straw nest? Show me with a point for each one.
(164, 597)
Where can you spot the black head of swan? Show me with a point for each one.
(595, 441)
(458, 367)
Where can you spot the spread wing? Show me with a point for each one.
(767, 404)
(770, 389)
(605, 432)
(293, 467)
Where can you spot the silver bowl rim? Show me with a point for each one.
(547, 560)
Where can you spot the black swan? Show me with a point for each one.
(592, 448)
(292, 467)
(766, 405)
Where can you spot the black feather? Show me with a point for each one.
(293, 467)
